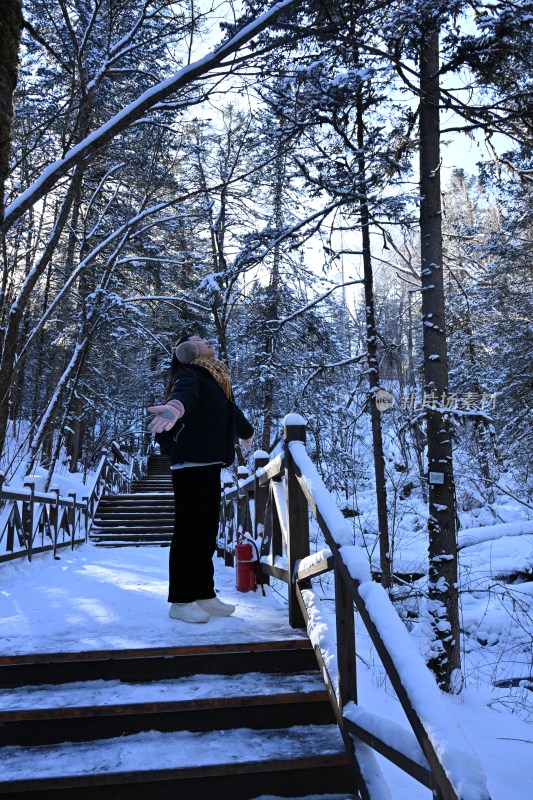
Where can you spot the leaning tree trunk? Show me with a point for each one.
(60, 431)
(445, 658)
(372, 354)
(63, 387)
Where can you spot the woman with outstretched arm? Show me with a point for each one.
(197, 427)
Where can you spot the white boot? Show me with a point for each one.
(188, 612)
(216, 607)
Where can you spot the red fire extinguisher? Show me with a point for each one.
(246, 577)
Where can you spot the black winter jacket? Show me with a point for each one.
(206, 432)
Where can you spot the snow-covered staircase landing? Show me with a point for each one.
(144, 517)
(212, 721)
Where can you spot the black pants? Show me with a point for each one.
(197, 506)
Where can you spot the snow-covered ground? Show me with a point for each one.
(95, 598)
(99, 598)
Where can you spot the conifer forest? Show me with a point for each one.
(338, 195)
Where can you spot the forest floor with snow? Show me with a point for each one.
(95, 598)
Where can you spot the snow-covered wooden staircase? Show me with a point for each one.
(143, 517)
(212, 721)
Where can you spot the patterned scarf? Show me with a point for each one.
(218, 370)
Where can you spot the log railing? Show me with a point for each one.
(273, 506)
(35, 522)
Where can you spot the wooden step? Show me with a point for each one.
(153, 481)
(132, 533)
(133, 542)
(124, 525)
(141, 507)
(151, 486)
(134, 528)
(143, 488)
(151, 539)
(321, 767)
(164, 479)
(155, 476)
(204, 722)
(140, 502)
(121, 516)
(151, 517)
(103, 693)
(292, 655)
(150, 497)
(140, 521)
(53, 725)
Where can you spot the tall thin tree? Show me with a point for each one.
(443, 595)
(372, 348)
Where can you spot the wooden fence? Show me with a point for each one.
(34, 522)
(273, 506)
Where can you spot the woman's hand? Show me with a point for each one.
(247, 443)
(166, 416)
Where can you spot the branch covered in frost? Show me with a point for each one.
(135, 110)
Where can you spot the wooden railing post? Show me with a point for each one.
(261, 532)
(71, 516)
(10, 540)
(297, 516)
(222, 539)
(243, 511)
(27, 517)
(344, 615)
(276, 532)
(54, 517)
(260, 494)
(85, 512)
(9, 528)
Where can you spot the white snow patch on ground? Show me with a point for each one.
(113, 598)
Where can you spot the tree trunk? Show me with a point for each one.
(371, 349)
(74, 440)
(64, 385)
(60, 428)
(443, 606)
(12, 337)
(273, 306)
(10, 27)
(411, 376)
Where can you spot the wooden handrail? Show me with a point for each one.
(280, 525)
(35, 522)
